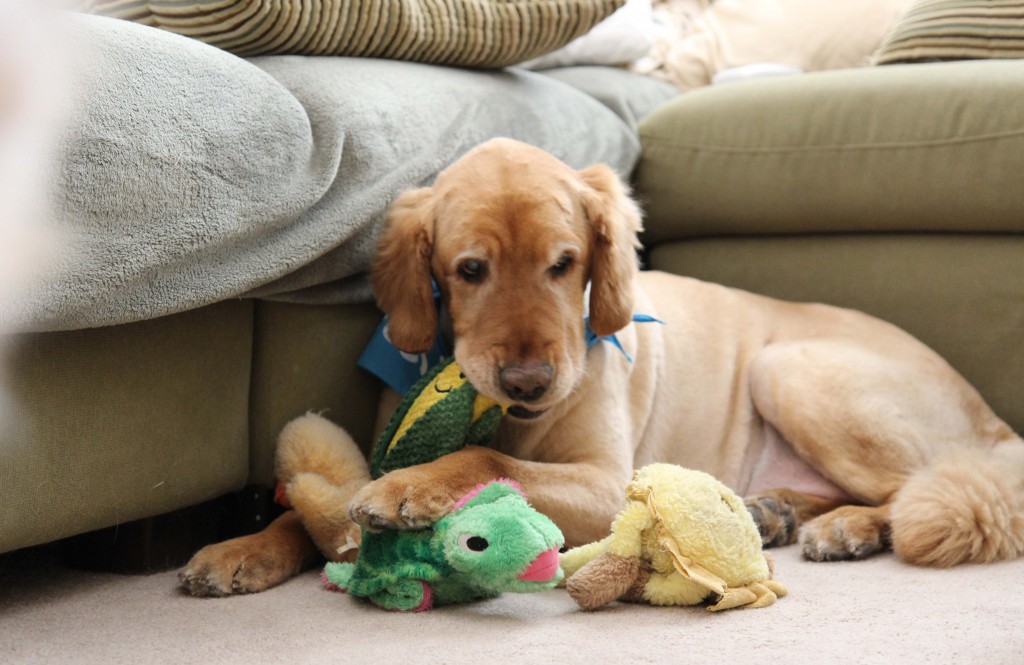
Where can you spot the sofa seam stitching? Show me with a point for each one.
(833, 147)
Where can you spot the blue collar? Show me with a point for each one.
(401, 370)
(593, 338)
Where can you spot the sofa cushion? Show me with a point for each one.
(963, 295)
(471, 33)
(304, 359)
(956, 30)
(930, 147)
(115, 424)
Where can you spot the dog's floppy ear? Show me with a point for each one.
(401, 272)
(615, 220)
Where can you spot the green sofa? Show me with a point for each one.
(894, 190)
(225, 211)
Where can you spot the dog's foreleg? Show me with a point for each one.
(581, 498)
(251, 563)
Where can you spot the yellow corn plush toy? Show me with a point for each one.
(441, 414)
(683, 538)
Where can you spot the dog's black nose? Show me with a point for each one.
(525, 382)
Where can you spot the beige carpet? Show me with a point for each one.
(876, 611)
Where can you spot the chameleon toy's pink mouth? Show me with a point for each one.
(544, 567)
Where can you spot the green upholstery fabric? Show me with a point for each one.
(304, 359)
(114, 424)
(963, 295)
(931, 147)
(893, 190)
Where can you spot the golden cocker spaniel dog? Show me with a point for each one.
(843, 431)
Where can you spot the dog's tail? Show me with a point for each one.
(965, 507)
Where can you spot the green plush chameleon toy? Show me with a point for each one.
(491, 541)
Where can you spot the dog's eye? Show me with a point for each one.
(562, 265)
(472, 270)
(473, 543)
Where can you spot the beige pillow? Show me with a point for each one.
(956, 30)
(468, 33)
(810, 35)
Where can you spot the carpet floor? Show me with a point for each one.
(874, 611)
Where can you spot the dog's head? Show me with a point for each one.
(512, 237)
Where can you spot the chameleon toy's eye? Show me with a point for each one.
(473, 543)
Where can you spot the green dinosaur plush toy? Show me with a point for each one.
(492, 541)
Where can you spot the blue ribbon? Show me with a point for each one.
(593, 338)
(400, 370)
(396, 368)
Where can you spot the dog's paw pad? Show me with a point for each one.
(201, 581)
(394, 503)
(842, 538)
(230, 568)
(776, 520)
(368, 517)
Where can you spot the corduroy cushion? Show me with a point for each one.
(467, 33)
(934, 30)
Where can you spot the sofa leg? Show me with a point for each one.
(166, 542)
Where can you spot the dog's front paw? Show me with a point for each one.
(228, 568)
(401, 500)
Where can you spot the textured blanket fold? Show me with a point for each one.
(189, 175)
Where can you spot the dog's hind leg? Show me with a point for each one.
(848, 532)
(892, 424)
